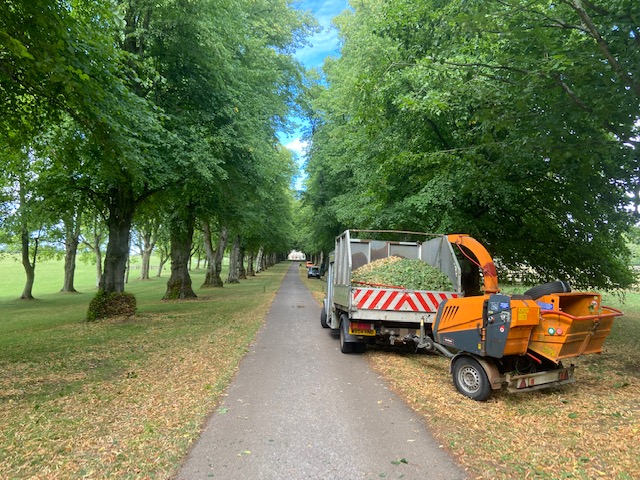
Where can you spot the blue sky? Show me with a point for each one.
(322, 44)
(325, 42)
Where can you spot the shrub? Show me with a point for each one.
(105, 305)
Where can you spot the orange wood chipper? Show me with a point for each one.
(520, 340)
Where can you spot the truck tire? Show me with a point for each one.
(470, 378)
(323, 318)
(345, 347)
(359, 347)
(547, 289)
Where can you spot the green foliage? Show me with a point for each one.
(401, 272)
(633, 243)
(122, 101)
(105, 305)
(507, 121)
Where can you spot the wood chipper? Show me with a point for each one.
(519, 340)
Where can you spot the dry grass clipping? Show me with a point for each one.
(137, 425)
(587, 430)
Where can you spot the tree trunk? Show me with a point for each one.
(147, 250)
(250, 271)
(121, 210)
(233, 276)
(179, 285)
(95, 246)
(267, 260)
(213, 277)
(198, 258)
(259, 265)
(164, 256)
(97, 240)
(242, 273)
(71, 242)
(29, 267)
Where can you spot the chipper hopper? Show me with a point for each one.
(571, 324)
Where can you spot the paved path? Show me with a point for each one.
(300, 409)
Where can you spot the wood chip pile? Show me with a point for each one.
(401, 272)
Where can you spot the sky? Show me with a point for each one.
(322, 44)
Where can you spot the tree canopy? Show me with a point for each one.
(515, 122)
(175, 103)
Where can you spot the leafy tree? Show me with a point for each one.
(146, 231)
(508, 121)
(215, 255)
(63, 58)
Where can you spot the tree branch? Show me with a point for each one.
(572, 94)
(604, 47)
(554, 22)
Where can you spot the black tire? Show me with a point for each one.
(323, 318)
(345, 347)
(359, 347)
(547, 289)
(470, 378)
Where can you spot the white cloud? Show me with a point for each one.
(322, 45)
(325, 42)
(297, 146)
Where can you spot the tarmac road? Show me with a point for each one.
(300, 409)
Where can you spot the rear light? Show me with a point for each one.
(361, 326)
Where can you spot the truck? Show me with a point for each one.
(492, 339)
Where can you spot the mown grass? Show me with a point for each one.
(122, 398)
(587, 430)
(125, 398)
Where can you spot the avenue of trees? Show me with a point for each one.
(514, 121)
(152, 117)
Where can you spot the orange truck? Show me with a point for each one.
(492, 340)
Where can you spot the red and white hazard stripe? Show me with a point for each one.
(399, 300)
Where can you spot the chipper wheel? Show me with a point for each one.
(470, 378)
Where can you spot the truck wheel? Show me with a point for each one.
(470, 378)
(323, 319)
(547, 289)
(359, 347)
(345, 347)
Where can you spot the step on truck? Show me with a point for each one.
(491, 339)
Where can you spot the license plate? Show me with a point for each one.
(362, 332)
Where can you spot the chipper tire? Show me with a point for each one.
(470, 378)
(547, 289)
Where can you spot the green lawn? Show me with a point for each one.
(121, 398)
(125, 398)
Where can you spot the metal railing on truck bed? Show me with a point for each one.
(352, 253)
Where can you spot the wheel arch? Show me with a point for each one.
(488, 365)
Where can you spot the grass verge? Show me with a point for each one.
(587, 430)
(122, 398)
